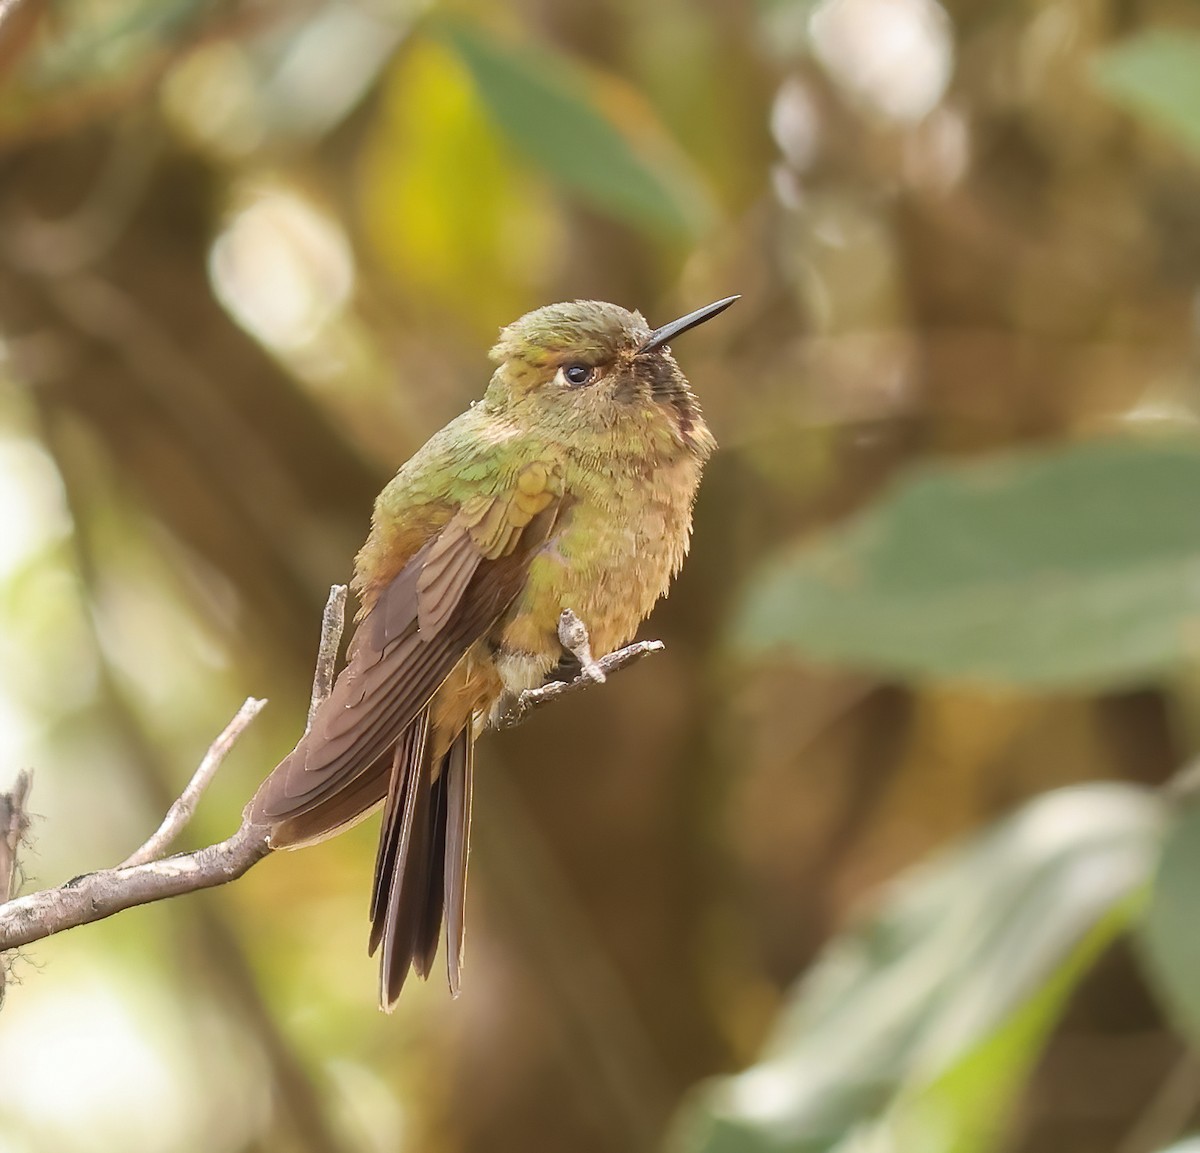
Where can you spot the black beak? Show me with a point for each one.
(668, 332)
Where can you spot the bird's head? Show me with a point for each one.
(595, 371)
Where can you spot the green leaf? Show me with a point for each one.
(1074, 568)
(443, 197)
(926, 1017)
(962, 1110)
(1170, 932)
(1156, 76)
(557, 115)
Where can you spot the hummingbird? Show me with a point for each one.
(570, 485)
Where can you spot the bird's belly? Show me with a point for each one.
(610, 562)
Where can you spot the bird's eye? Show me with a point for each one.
(577, 374)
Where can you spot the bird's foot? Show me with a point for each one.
(573, 635)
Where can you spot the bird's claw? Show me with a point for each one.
(573, 635)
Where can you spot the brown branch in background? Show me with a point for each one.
(139, 881)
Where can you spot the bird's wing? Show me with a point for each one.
(448, 596)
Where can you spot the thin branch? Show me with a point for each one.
(333, 621)
(182, 811)
(142, 879)
(14, 823)
(533, 699)
(95, 896)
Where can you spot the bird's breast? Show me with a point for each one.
(622, 535)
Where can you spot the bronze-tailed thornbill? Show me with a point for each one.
(568, 486)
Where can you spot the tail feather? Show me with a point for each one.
(389, 840)
(403, 863)
(421, 866)
(430, 927)
(458, 772)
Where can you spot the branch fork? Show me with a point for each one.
(147, 875)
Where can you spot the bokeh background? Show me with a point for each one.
(875, 856)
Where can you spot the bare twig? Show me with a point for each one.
(14, 823)
(182, 811)
(139, 881)
(533, 699)
(333, 620)
(143, 878)
(95, 896)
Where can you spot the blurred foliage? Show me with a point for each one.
(1156, 75)
(942, 589)
(586, 144)
(927, 1015)
(1169, 933)
(1074, 569)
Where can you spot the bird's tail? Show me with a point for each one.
(421, 867)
